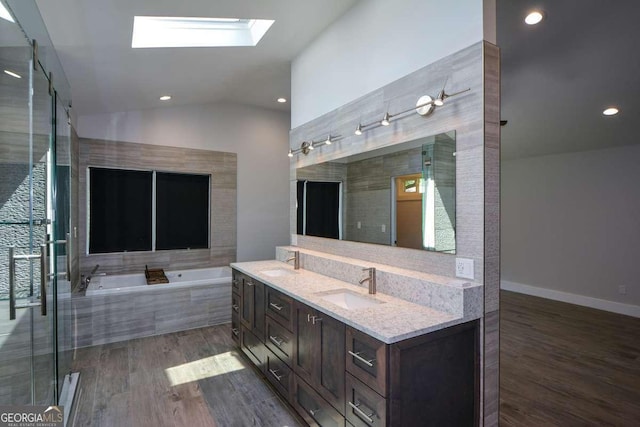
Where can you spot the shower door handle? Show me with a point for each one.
(12, 281)
(67, 249)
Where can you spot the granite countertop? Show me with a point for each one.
(390, 321)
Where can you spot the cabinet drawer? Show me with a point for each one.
(367, 360)
(279, 340)
(279, 374)
(235, 328)
(313, 408)
(364, 407)
(252, 347)
(235, 304)
(236, 281)
(280, 308)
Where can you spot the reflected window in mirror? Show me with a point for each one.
(318, 209)
(402, 195)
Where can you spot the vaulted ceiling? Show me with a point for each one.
(557, 76)
(93, 41)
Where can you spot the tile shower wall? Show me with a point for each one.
(223, 169)
(14, 214)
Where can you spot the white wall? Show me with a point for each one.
(571, 224)
(375, 43)
(259, 137)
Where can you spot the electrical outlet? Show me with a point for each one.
(464, 268)
(622, 290)
(384, 228)
(359, 225)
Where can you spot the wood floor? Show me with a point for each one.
(194, 378)
(561, 365)
(566, 365)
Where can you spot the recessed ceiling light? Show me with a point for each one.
(282, 100)
(611, 111)
(12, 74)
(165, 97)
(4, 13)
(534, 17)
(167, 31)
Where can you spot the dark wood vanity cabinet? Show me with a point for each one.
(335, 375)
(319, 353)
(251, 318)
(430, 380)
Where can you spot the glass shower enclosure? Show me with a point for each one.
(35, 317)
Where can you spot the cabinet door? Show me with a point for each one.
(331, 363)
(313, 408)
(258, 310)
(306, 348)
(252, 307)
(246, 309)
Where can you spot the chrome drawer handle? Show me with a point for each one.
(276, 306)
(235, 307)
(356, 407)
(235, 331)
(365, 361)
(313, 412)
(276, 341)
(249, 283)
(275, 374)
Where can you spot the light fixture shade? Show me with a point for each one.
(290, 153)
(534, 17)
(328, 141)
(359, 129)
(311, 147)
(439, 101)
(385, 119)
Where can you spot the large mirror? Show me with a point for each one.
(403, 195)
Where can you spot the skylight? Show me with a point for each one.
(4, 13)
(166, 31)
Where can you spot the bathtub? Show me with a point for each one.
(123, 307)
(119, 283)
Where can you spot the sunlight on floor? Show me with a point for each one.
(208, 367)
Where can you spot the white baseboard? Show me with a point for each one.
(600, 304)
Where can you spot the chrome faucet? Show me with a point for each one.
(86, 280)
(371, 278)
(295, 258)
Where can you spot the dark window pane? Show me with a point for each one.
(182, 211)
(323, 208)
(120, 210)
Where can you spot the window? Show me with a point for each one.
(124, 218)
(182, 211)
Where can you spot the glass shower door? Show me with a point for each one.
(27, 275)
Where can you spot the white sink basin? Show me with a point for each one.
(350, 300)
(278, 272)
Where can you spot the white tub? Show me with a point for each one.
(125, 283)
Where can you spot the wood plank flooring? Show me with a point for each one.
(566, 365)
(193, 378)
(561, 365)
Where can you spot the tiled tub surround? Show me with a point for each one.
(141, 311)
(393, 320)
(455, 296)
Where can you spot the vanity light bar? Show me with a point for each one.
(307, 146)
(424, 107)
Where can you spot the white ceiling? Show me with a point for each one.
(558, 76)
(93, 41)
